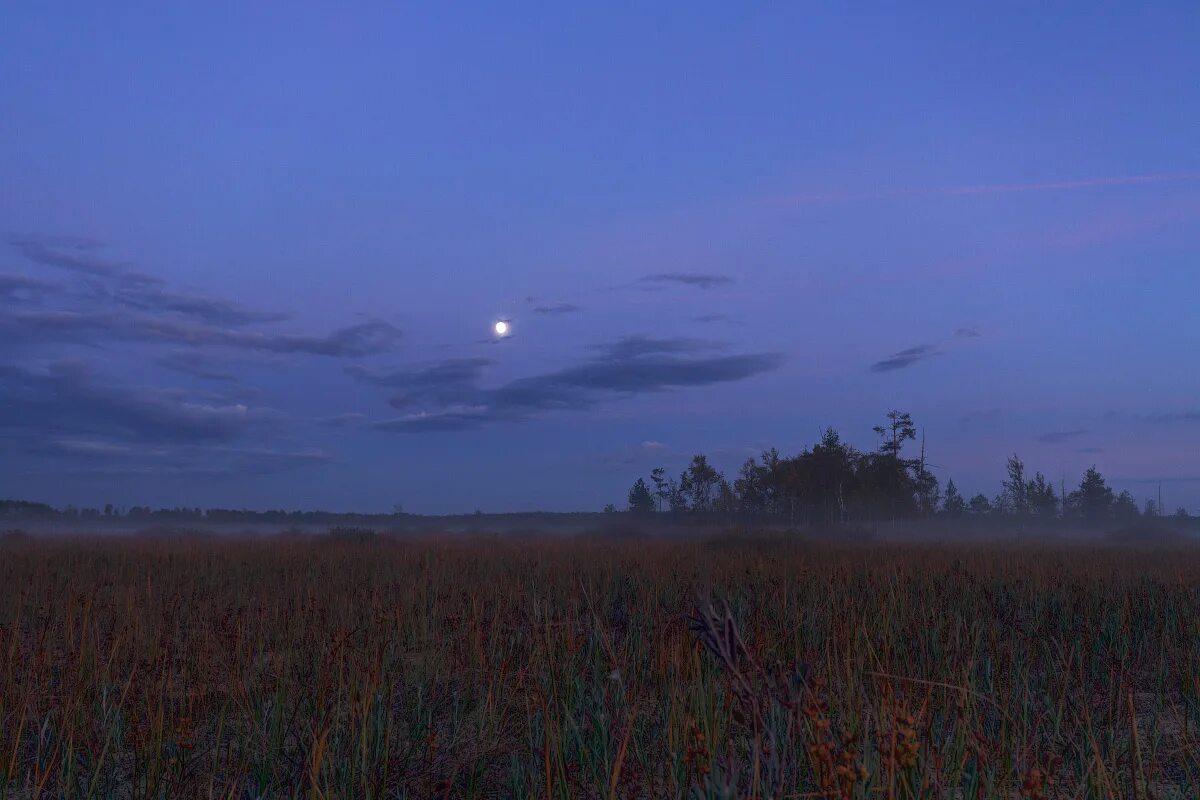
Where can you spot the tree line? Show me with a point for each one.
(833, 484)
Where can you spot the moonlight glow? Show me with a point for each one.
(501, 328)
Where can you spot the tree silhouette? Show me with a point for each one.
(953, 505)
(980, 506)
(641, 501)
(1016, 499)
(1093, 501)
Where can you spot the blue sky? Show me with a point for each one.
(251, 256)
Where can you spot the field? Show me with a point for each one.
(538, 667)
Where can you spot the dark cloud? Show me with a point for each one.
(561, 308)
(1190, 415)
(92, 455)
(347, 420)
(212, 310)
(1056, 437)
(129, 306)
(967, 333)
(639, 345)
(270, 462)
(697, 279)
(196, 364)
(905, 358)
(17, 287)
(33, 327)
(1161, 418)
(709, 318)
(65, 252)
(443, 383)
(1091, 450)
(446, 420)
(629, 366)
(68, 400)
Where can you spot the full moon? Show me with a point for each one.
(501, 328)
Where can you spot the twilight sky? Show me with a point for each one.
(252, 253)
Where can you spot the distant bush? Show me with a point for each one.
(343, 533)
(173, 532)
(623, 529)
(1145, 531)
(13, 535)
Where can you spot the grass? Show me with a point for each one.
(487, 667)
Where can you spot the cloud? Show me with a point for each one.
(823, 198)
(446, 420)
(271, 462)
(638, 345)
(151, 297)
(1189, 415)
(65, 252)
(1091, 450)
(629, 366)
(91, 456)
(346, 420)
(637, 454)
(696, 279)
(128, 306)
(1162, 418)
(19, 287)
(1056, 437)
(196, 364)
(967, 333)
(443, 383)
(905, 358)
(89, 447)
(363, 339)
(68, 400)
(561, 308)
(710, 318)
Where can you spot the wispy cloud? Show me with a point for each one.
(711, 318)
(346, 420)
(699, 280)
(561, 308)
(116, 304)
(64, 252)
(441, 399)
(37, 327)
(1160, 418)
(1057, 437)
(1189, 415)
(19, 287)
(69, 399)
(905, 358)
(196, 364)
(822, 198)
(638, 454)
(145, 296)
(922, 352)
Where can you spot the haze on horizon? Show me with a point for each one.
(254, 257)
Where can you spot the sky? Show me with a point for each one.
(252, 253)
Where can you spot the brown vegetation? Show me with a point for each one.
(488, 667)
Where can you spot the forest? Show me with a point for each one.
(833, 484)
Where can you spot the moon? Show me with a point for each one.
(501, 328)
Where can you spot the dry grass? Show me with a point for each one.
(541, 668)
